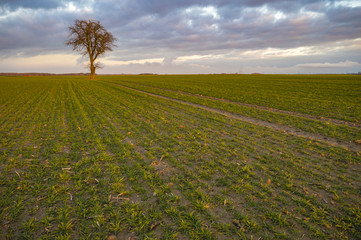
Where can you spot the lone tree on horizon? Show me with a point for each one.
(92, 39)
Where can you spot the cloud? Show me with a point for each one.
(129, 62)
(169, 60)
(345, 64)
(209, 25)
(189, 25)
(174, 30)
(12, 5)
(55, 63)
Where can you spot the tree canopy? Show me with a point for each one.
(92, 39)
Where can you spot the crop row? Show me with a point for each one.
(328, 128)
(87, 159)
(334, 96)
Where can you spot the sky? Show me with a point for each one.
(186, 37)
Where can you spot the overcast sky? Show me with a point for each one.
(184, 36)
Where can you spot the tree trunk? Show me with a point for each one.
(92, 70)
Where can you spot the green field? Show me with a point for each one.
(180, 157)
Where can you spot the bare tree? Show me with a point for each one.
(92, 39)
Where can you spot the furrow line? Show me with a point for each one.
(286, 129)
(274, 110)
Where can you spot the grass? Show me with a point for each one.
(84, 159)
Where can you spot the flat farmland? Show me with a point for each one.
(180, 157)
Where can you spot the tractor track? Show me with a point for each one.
(349, 145)
(268, 109)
